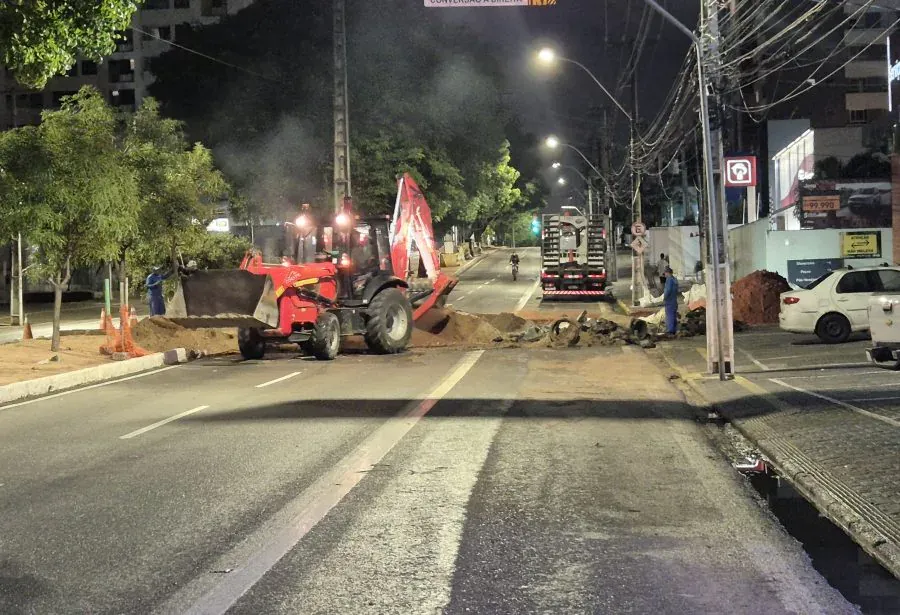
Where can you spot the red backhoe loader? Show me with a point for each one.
(347, 278)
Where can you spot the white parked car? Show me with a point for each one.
(837, 303)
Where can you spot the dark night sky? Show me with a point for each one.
(558, 100)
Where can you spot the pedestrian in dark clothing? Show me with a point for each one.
(670, 301)
(661, 265)
(155, 291)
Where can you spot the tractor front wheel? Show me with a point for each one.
(390, 322)
(251, 344)
(325, 342)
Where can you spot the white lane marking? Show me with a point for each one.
(843, 404)
(325, 494)
(795, 356)
(143, 430)
(527, 296)
(87, 388)
(277, 380)
(755, 362)
(831, 375)
(874, 398)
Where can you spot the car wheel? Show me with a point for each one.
(833, 329)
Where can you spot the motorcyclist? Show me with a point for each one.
(514, 259)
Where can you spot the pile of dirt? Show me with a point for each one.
(506, 322)
(158, 334)
(756, 297)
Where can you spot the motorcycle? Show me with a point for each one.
(515, 271)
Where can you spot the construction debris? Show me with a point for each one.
(158, 334)
(756, 298)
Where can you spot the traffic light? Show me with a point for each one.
(535, 226)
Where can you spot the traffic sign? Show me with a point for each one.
(740, 172)
(639, 244)
(638, 229)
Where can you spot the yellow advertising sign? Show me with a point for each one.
(861, 244)
(831, 202)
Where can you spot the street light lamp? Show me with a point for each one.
(555, 165)
(551, 142)
(546, 56)
(561, 181)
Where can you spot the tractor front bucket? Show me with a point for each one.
(225, 298)
(442, 287)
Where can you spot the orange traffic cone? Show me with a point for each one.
(132, 318)
(26, 331)
(103, 319)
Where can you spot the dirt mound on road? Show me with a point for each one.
(756, 297)
(506, 322)
(158, 334)
(446, 327)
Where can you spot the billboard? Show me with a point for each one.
(844, 204)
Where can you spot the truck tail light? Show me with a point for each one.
(791, 300)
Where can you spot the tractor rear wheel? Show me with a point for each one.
(251, 344)
(390, 322)
(325, 342)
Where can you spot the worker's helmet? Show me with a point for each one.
(192, 264)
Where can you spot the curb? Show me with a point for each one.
(877, 534)
(89, 375)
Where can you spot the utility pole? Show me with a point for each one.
(637, 260)
(341, 110)
(719, 332)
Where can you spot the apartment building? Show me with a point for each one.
(866, 96)
(125, 75)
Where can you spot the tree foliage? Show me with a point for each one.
(42, 38)
(178, 183)
(74, 196)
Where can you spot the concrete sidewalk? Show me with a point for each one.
(78, 315)
(845, 463)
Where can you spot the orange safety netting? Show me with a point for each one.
(120, 340)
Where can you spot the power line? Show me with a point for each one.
(209, 57)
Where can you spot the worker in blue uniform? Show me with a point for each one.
(155, 291)
(670, 301)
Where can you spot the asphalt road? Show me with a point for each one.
(505, 481)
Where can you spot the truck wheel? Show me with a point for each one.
(325, 342)
(833, 329)
(389, 327)
(251, 344)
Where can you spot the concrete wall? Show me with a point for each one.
(747, 248)
(754, 246)
(681, 244)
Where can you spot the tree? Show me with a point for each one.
(71, 185)
(41, 39)
(178, 184)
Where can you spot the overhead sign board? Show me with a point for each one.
(864, 244)
(740, 171)
(817, 203)
(494, 3)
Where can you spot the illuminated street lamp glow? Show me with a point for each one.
(547, 55)
(561, 181)
(552, 142)
(555, 165)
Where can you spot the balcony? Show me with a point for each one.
(859, 37)
(862, 69)
(861, 101)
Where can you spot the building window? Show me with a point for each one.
(121, 71)
(859, 116)
(31, 101)
(182, 4)
(871, 19)
(126, 43)
(165, 33)
(182, 31)
(156, 5)
(217, 4)
(88, 67)
(122, 98)
(72, 72)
